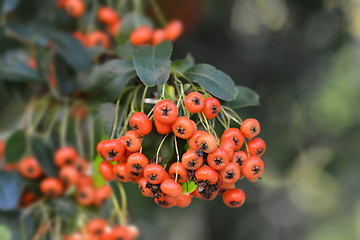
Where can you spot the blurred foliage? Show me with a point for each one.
(302, 57)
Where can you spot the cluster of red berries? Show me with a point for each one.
(211, 166)
(98, 229)
(145, 35)
(72, 173)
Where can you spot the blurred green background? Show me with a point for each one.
(302, 57)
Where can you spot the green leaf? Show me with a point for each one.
(129, 23)
(70, 48)
(188, 187)
(245, 97)
(109, 80)
(13, 69)
(15, 146)
(213, 80)
(182, 65)
(152, 63)
(11, 187)
(5, 233)
(151, 143)
(44, 155)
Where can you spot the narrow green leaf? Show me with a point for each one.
(182, 65)
(70, 48)
(11, 188)
(245, 97)
(13, 69)
(109, 80)
(152, 63)
(129, 23)
(213, 80)
(44, 155)
(188, 187)
(15, 146)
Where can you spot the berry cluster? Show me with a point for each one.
(111, 20)
(145, 35)
(213, 164)
(98, 228)
(72, 173)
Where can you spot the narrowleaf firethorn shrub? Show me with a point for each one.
(103, 103)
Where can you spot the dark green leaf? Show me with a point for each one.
(64, 75)
(109, 79)
(152, 63)
(70, 48)
(15, 146)
(13, 69)
(245, 97)
(44, 155)
(21, 30)
(9, 5)
(151, 143)
(11, 188)
(188, 187)
(129, 23)
(182, 65)
(213, 80)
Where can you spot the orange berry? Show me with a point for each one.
(162, 128)
(69, 175)
(230, 174)
(257, 147)
(119, 170)
(207, 174)
(239, 158)
(75, 8)
(85, 195)
(107, 15)
(194, 102)
(218, 159)
(106, 171)
(179, 169)
(65, 156)
(143, 189)
(158, 36)
(96, 227)
(211, 108)
(111, 149)
(132, 141)
(137, 162)
(154, 173)
(234, 197)
(141, 35)
(236, 135)
(191, 160)
(206, 142)
(253, 168)
(171, 188)
(183, 127)
(166, 112)
(51, 187)
(173, 30)
(250, 128)
(102, 194)
(141, 123)
(165, 201)
(184, 200)
(98, 39)
(30, 168)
